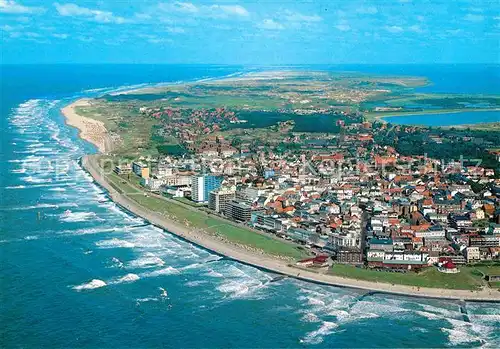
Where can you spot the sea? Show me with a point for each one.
(78, 271)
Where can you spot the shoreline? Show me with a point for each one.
(266, 263)
(90, 130)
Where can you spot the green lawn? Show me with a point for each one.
(467, 279)
(489, 268)
(202, 220)
(222, 227)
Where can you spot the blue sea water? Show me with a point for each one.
(446, 119)
(77, 271)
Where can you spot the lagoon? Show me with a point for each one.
(446, 119)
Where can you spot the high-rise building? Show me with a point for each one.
(238, 211)
(218, 199)
(202, 185)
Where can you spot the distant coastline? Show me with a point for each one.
(382, 116)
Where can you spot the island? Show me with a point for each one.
(296, 172)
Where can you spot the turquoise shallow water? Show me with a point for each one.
(76, 271)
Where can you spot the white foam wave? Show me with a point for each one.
(164, 293)
(117, 263)
(95, 283)
(195, 283)
(146, 262)
(214, 274)
(31, 179)
(310, 317)
(57, 189)
(32, 207)
(161, 272)
(71, 217)
(459, 336)
(318, 336)
(148, 299)
(114, 243)
(31, 237)
(243, 288)
(127, 279)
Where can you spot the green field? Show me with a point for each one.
(489, 268)
(467, 279)
(198, 219)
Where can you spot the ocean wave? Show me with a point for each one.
(214, 274)
(32, 207)
(57, 189)
(39, 185)
(317, 337)
(31, 237)
(161, 272)
(95, 283)
(88, 231)
(114, 243)
(237, 289)
(16, 187)
(459, 336)
(126, 279)
(116, 263)
(164, 293)
(195, 283)
(146, 262)
(310, 317)
(72, 217)
(147, 299)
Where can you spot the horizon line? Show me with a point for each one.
(246, 64)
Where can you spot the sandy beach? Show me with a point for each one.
(91, 130)
(268, 263)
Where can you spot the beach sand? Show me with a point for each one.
(91, 130)
(265, 262)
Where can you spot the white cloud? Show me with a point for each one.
(185, 7)
(83, 38)
(416, 28)
(270, 24)
(175, 30)
(299, 17)
(60, 36)
(7, 28)
(73, 10)
(142, 16)
(214, 11)
(393, 29)
(10, 6)
(153, 39)
(473, 17)
(231, 10)
(367, 10)
(343, 27)
(454, 31)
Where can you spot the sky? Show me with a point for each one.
(250, 32)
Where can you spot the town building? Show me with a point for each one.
(202, 185)
(218, 199)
